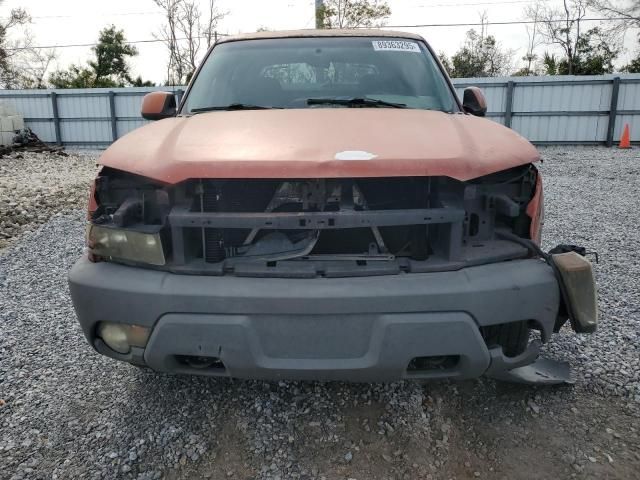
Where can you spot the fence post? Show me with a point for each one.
(56, 117)
(114, 119)
(613, 110)
(509, 103)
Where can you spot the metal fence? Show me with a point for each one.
(564, 109)
(546, 110)
(85, 118)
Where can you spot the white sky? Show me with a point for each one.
(58, 22)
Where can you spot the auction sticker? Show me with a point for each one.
(395, 46)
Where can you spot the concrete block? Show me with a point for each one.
(18, 122)
(6, 124)
(6, 138)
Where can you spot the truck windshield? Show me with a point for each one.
(337, 72)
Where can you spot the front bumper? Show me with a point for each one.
(356, 329)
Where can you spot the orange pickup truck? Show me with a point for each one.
(321, 205)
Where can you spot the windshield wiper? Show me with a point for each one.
(354, 102)
(233, 106)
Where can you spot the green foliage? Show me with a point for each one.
(594, 55)
(445, 62)
(111, 54)
(480, 56)
(138, 82)
(633, 67)
(108, 69)
(353, 13)
(550, 64)
(75, 76)
(523, 72)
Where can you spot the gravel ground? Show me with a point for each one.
(68, 413)
(33, 186)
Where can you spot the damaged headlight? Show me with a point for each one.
(125, 244)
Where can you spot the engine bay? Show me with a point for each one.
(322, 227)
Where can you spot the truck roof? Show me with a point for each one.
(310, 33)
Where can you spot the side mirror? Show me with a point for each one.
(474, 102)
(158, 105)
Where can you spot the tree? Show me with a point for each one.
(211, 20)
(353, 13)
(550, 64)
(480, 56)
(183, 33)
(108, 68)
(17, 16)
(594, 55)
(22, 65)
(76, 76)
(139, 82)
(534, 40)
(627, 15)
(626, 11)
(34, 66)
(583, 52)
(563, 28)
(445, 62)
(633, 66)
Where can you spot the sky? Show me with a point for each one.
(62, 22)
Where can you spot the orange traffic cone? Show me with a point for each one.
(625, 141)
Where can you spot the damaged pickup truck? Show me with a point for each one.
(321, 205)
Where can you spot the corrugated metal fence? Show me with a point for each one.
(546, 110)
(87, 118)
(563, 109)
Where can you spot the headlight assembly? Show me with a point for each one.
(125, 244)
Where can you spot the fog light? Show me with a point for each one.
(121, 337)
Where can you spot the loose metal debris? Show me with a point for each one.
(26, 140)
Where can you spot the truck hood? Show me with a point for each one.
(319, 143)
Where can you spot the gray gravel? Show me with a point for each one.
(35, 185)
(68, 413)
(593, 200)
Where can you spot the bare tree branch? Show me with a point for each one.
(214, 16)
(183, 33)
(534, 39)
(21, 65)
(562, 27)
(629, 10)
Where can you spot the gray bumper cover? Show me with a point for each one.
(359, 329)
